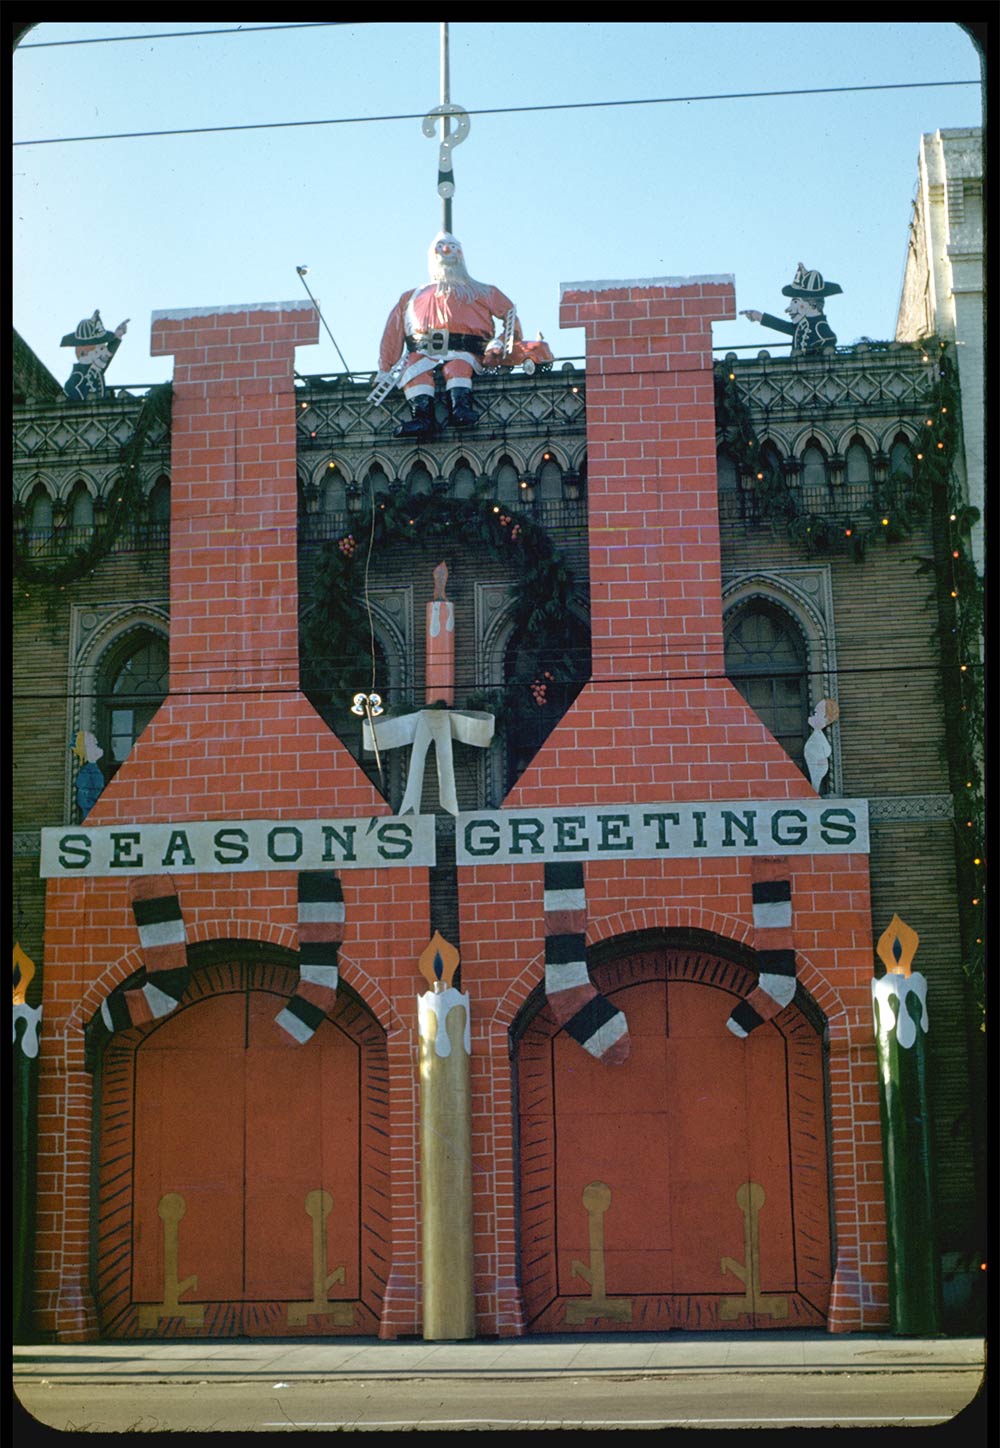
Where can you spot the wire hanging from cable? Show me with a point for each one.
(302, 278)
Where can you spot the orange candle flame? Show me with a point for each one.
(897, 946)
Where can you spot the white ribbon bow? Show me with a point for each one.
(427, 726)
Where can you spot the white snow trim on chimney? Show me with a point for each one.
(178, 314)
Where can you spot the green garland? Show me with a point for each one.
(927, 490)
(897, 506)
(543, 592)
(123, 505)
(958, 593)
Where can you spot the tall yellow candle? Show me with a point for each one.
(446, 1158)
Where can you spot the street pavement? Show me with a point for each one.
(710, 1381)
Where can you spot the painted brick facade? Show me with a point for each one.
(658, 721)
(680, 731)
(235, 739)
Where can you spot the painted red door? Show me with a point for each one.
(244, 1127)
(687, 1187)
(189, 1115)
(253, 1165)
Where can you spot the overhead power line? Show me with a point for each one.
(184, 34)
(600, 681)
(498, 111)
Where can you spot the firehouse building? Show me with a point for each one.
(582, 1042)
(713, 1178)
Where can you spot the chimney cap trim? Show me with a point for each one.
(180, 314)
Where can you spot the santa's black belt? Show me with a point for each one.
(441, 340)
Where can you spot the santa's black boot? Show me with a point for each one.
(421, 421)
(463, 412)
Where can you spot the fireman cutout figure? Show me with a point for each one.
(95, 347)
(808, 328)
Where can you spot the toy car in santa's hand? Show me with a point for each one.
(529, 356)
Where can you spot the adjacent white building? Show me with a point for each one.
(943, 284)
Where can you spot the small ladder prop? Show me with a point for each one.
(386, 381)
(319, 1205)
(596, 1201)
(750, 1198)
(171, 1209)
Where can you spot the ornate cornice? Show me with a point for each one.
(897, 808)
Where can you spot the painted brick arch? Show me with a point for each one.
(246, 1233)
(694, 1120)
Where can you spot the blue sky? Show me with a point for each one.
(748, 187)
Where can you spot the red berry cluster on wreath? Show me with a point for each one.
(347, 546)
(540, 689)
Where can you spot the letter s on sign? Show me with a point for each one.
(838, 827)
(74, 851)
(235, 840)
(395, 841)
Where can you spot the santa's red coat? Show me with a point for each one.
(423, 309)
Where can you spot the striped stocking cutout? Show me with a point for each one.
(588, 1016)
(163, 940)
(772, 919)
(321, 930)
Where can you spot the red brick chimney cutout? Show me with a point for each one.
(658, 680)
(235, 736)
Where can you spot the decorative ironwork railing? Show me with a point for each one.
(871, 387)
(60, 542)
(837, 503)
(81, 435)
(335, 414)
(868, 381)
(551, 514)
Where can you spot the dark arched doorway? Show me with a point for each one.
(242, 1187)
(686, 1188)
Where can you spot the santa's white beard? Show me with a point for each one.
(453, 280)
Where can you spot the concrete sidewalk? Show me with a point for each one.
(680, 1380)
(617, 1354)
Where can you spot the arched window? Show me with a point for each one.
(859, 463)
(814, 466)
(463, 479)
(419, 480)
(575, 484)
(770, 458)
(507, 482)
(377, 481)
(766, 660)
(40, 511)
(159, 501)
(900, 457)
(132, 684)
(726, 469)
(334, 495)
(81, 507)
(550, 480)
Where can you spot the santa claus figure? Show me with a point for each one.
(448, 324)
